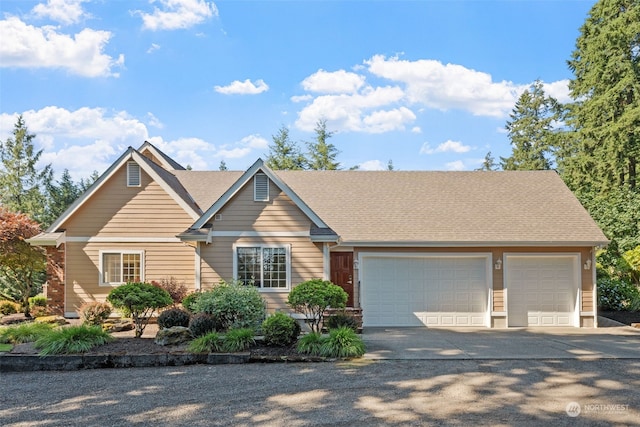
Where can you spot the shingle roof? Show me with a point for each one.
(429, 208)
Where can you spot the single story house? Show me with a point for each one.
(411, 248)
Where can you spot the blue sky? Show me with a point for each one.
(427, 84)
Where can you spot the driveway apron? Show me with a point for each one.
(620, 342)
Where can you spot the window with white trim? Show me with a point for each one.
(260, 188)
(267, 267)
(133, 174)
(118, 267)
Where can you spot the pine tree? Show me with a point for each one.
(488, 164)
(22, 185)
(603, 151)
(284, 154)
(63, 194)
(322, 155)
(531, 130)
(222, 166)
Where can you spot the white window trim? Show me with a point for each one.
(101, 281)
(129, 166)
(255, 187)
(286, 247)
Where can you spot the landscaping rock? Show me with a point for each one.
(11, 319)
(173, 336)
(117, 325)
(54, 320)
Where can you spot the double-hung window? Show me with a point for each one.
(118, 267)
(267, 267)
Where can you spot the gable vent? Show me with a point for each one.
(133, 174)
(260, 188)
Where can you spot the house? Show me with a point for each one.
(493, 249)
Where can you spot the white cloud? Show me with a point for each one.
(63, 11)
(26, 46)
(177, 14)
(333, 82)
(243, 88)
(153, 48)
(446, 147)
(186, 151)
(558, 90)
(372, 165)
(244, 147)
(301, 98)
(457, 165)
(154, 121)
(450, 86)
(416, 129)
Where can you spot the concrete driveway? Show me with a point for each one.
(621, 342)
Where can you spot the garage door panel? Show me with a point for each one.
(433, 291)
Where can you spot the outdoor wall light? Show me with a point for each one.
(587, 264)
(498, 264)
(356, 264)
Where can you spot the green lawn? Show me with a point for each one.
(5, 348)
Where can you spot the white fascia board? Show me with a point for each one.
(47, 239)
(472, 244)
(258, 166)
(123, 239)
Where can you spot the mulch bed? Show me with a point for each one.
(626, 317)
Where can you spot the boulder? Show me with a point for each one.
(54, 320)
(118, 325)
(173, 336)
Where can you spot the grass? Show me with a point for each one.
(342, 342)
(72, 339)
(24, 332)
(238, 340)
(311, 343)
(5, 348)
(208, 343)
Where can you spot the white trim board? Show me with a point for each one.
(127, 239)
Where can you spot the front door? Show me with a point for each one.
(342, 273)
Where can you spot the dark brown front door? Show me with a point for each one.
(342, 272)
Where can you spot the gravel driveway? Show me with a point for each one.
(365, 392)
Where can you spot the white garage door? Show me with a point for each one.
(541, 290)
(424, 290)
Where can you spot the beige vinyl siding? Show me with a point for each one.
(217, 263)
(277, 214)
(116, 210)
(161, 260)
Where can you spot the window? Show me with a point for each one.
(133, 174)
(267, 267)
(260, 188)
(121, 267)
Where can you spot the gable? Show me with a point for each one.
(116, 209)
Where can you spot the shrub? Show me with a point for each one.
(235, 305)
(177, 291)
(311, 343)
(37, 301)
(72, 339)
(238, 340)
(616, 295)
(173, 317)
(342, 342)
(312, 298)
(189, 301)
(208, 343)
(94, 313)
(25, 332)
(139, 299)
(8, 307)
(339, 320)
(203, 323)
(39, 311)
(280, 330)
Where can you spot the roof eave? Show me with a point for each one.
(467, 244)
(47, 239)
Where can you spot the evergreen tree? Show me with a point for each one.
(604, 147)
(22, 185)
(488, 164)
(223, 166)
(84, 184)
(531, 130)
(63, 194)
(284, 154)
(390, 166)
(322, 155)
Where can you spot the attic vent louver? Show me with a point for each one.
(260, 188)
(133, 174)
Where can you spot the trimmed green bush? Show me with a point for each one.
(311, 343)
(94, 313)
(189, 301)
(280, 330)
(342, 342)
(339, 320)
(24, 332)
(238, 340)
(202, 324)
(208, 343)
(8, 307)
(313, 297)
(141, 300)
(235, 305)
(72, 339)
(173, 317)
(617, 295)
(38, 301)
